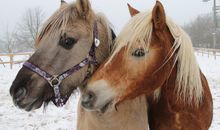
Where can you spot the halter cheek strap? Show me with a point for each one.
(56, 80)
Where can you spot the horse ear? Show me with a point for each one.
(63, 4)
(83, 7)
(132, 10)
(159, 17)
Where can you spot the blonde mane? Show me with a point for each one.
(139, 31)
(57, 22)
(68, 15)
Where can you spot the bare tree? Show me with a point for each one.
(201, 31)
(28, 28)
(8, 41)
(2, 46)
(24, 35)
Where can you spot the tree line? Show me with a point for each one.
(201, 31)
(23, 36)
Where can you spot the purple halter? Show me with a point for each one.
(56, 80)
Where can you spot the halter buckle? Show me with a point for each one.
(55, 81)
(97, 42)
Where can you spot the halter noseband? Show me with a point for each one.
(56, 80)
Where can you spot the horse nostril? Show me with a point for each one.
(88, 100)
(91, 95)
(21, 92)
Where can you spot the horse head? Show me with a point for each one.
(73, 41)
(149, 52)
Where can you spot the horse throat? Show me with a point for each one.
(130, 115)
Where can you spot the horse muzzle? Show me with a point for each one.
(88, 100)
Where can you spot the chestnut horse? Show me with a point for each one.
(70, 47)
(154, 57)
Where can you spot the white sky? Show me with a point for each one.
(181, 11)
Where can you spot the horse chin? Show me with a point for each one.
(65, 97)
(30, 106)
(102, 109)
(107, 107)
(64, 101)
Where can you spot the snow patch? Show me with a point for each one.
(12, 118)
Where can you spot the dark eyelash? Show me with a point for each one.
(139, 53)
(67, 42)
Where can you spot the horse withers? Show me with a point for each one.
(154, 57)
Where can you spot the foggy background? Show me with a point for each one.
(182, 11)
(195, 16)
(20, 21)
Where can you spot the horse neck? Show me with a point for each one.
(170, 83)
(168, 87)
(130, 115)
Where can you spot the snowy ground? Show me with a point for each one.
(11, 118)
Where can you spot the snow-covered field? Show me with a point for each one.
(11, 118)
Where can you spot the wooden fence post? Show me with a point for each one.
(11, 60)
(208, 53)
(202, 51)
(214, 53)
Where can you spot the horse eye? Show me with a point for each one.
(139, 53)
(67, 42)
(70, 41)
